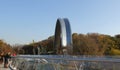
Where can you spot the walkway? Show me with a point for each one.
(2, 67)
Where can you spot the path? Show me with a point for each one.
(2, 67)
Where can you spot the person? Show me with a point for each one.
(13, 54)
(7, 57)
(1, 57)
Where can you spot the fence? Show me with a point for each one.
(65, 62)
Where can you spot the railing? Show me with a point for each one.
(65, 62)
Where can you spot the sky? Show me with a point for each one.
(22, 21)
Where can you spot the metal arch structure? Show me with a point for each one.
(63, 37)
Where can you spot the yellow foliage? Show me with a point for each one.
(115, 51)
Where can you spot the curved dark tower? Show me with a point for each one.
(63, 38)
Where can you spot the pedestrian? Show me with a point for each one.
(7, 57)
(1, 57)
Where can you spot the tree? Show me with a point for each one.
(5, 48)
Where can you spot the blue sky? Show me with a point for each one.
(22, 21)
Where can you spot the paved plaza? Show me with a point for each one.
(2, 67)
